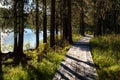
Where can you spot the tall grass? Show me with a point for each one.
(106, 55)
(42, 66)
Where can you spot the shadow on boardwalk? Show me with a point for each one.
(78, 63)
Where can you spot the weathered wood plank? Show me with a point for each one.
(78, 64)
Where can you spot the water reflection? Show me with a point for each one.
(7, 40)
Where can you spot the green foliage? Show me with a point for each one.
(76, 37)
(42, 66)
(26, 46)
(5, 47)
(106, 55)
(46, 72)
(17, 73)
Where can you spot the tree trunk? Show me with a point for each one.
(61, 18)
(21, 28)
(115, 21)
(0, 42)
(56, 23)
(52, 34)
(44, 22)
(0, 58)
(82, 26)
(94, 29)
(37, 26)
(69, 27)
(56, 27)
(15, 26)
(65, 34)
(99, 27)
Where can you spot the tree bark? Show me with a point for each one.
(56, 27)
(69, 27)
(99, 25)
(15, 26)
(1, 78)
(21, 27)
(65, 22)
(44, 22)
(115, 21)
(61, 18)
(37, 26)
(82, 26)
(52, 34)
(56, 23)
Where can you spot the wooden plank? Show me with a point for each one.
(78, 64)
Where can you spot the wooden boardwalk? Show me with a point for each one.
(78, 63)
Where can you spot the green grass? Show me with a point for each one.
(106, 55)
(43, 64)
(76, 37)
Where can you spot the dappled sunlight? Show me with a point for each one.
(50, 39)
(78, 63)
(36, 64)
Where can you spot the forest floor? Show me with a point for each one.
(78, 63)
(36, 64)
(106, 55)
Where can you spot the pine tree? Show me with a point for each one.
(44, 22)
(37, 26)
(52, 28)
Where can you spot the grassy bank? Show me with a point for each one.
(106, 55)
(42, 64)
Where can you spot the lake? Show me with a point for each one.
(7, 40)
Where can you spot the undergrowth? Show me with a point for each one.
(42, 65)
(106, 55)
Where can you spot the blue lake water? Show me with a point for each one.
(7, 40)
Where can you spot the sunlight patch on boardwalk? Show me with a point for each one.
(78, 63)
